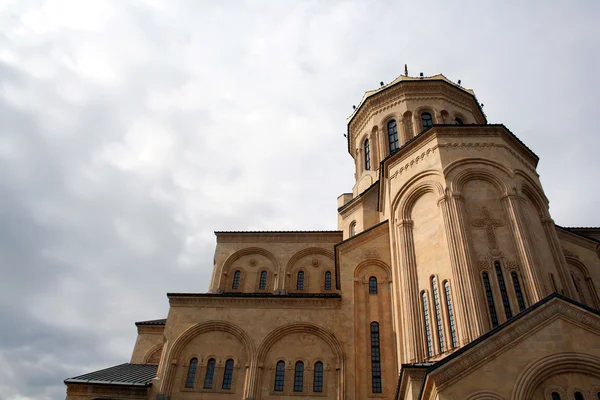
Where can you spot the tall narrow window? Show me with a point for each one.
(300, 281)
(299, 377)
(353, 228)
(318, 377)
(367, 155)
(262, 284)
(438, 314)
(427, 322)
(426, 120)
(392, 128)
(191, 376)
(450, 310)
(490, 299)
(279, 376)
(228, 374)
(518, 292)
(375, 359)
(328, 280)
(555, 396)
(210, 373)
(503, 292)
(372, 285)
(237, 275)
(578, 396)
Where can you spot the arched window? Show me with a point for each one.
(237, 275)
(517, 286)
(210, 373)
(262, 284)
(375, 359)
(299, 377)
(372, 285)
(228, 374)
(353, 228)
(392, 128)
(300, 281)
(279, 376)
(328, 280)
(426, 120)
(450, 310)
(502, 285)
(191, 375)
(427, 324)
(458, 121)
(578, 396)
(490, 299)
(555, 396)
(438, 314)
(367, 155)
(318, 377)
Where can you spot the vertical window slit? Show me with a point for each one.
(427, 322)
(450, 310)
(505, 301)
(375, 359)
(438, 315)
(490, 299)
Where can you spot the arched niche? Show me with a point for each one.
(313, 261)
(250, 261)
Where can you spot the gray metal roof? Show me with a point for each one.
(162, 321)
(139, 375)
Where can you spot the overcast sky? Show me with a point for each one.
(131, 130)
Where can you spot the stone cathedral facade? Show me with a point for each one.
(446, 279)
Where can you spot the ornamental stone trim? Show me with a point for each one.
(256, 302)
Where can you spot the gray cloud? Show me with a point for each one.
(130, 131)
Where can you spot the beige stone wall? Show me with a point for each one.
(148, 345)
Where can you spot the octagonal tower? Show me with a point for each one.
(471, 238)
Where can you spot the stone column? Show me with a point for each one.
(467, 276)
(518, 227)
(412, 324)
(252, 380)
(559, 257)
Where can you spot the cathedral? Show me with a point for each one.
(446, 279)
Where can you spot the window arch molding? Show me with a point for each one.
(363, 272)
(577, 265)
(418, 112)
(325, 258)
(392, 141)
(189, 334)
(367, 153)
(303, 274)
(456, 117)
(228, 264)
(269, 282)
(191, 373)
(536, 372)
(324, 280)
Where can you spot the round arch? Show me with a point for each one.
(412, 185)
(485, 395)
(471, 173)
(370, 262)
(307, 252)
(209, 326)
(408, 198)
(553, 364)
(151, 351)
(245, 252)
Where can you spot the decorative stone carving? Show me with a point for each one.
(315, 262)
(489, 224)
(372, 253)
(252, 262)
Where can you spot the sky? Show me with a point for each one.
(130, 131)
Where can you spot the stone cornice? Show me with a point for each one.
(275, 302)
(151, 329)
(280, 237)
(575, 238)
(457, 368)
(353, 204)
(366, 236)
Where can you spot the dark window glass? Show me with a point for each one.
(427, 322)
(490, 299)
(450, 314)
(279, 376)
(438, 314)
(228, 374)
(327, 280)
(578, 396)
(392, 127)
(191, 376)
(262, 284)
(517, 286)
(426, 120)
(210, 374)
(367, 155)
(598, 395)
(299, 377)
(237, 275)
(375, 359)
(502, 285)
(318, 378)
(372, 285)
(458, 121)
(555, 396)
(300, 281)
